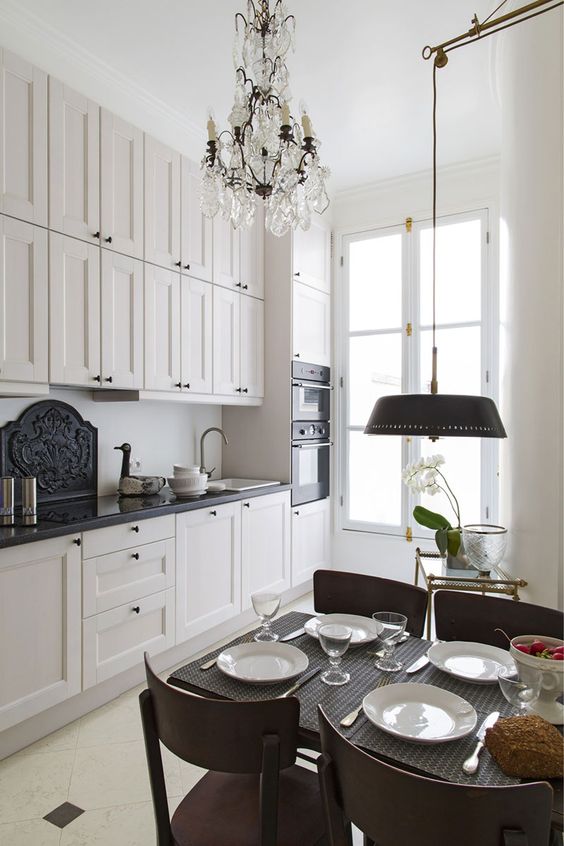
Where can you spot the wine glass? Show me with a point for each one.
(266, 606)
(392, 627)
(334, 640)
(521, 690)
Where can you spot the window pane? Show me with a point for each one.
(374, 371)
(459, 361)
(375, 283)
(462, 471)
(459, 272)
(375, 479)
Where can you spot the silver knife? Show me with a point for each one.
(418, 665)
(305, 678)
(293, 635)
(470, 765)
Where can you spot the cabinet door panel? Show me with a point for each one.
(74, 163)
(162, 329)
(265, 528)
(197, 230)
(312, 256)
(226, 253)
(196, 335)
(74, 311)
(122, 321)
(252, 347)
(252, 257)
(310, 540)
(24, 318)
(162, 204)
(23, 140)
(312, 325)
(39, 627)
(226, 342)
(208, 568)
(121, 157)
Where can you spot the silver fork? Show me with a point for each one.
(350, 718)
(207, 665)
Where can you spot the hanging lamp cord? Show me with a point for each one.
(434, 382)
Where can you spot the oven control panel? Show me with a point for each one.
(311, 372)
(306, 431)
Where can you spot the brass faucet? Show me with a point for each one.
(202, 460)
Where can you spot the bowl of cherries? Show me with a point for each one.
(536, 652)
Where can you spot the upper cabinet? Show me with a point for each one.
(239, 256)
(312, 256)
(251, 275)
(196, 304)
(162, 329)
(122, 321)
(196, 234)
(121, 185)
(311, 324)
(226, 254)
(162, 204)
(23, 140)
(74, 163)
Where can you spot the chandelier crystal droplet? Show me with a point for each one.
(266, 154)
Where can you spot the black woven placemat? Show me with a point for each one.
(443, 760)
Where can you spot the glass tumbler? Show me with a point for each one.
(334, 640)
(519, 690)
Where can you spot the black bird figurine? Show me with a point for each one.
(136, 485)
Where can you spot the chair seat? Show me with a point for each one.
(223, 810)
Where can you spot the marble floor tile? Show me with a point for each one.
(117, 722)
(57, 741)
(190, 775)
(32, 785)
(30, 833)
(122, 825)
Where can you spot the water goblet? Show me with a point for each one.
(334, 640)
(392, 627)
(266, 606)
(520, 689)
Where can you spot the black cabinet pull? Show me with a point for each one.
(297, 355)
(97, 378)
(238, 390)
(108, 240)
(109, 379)
(135, 555)
(178, 384)
(245, 287)
(178, 264)
(297, 273)
(297, 513)
(213, 513)
(186, 267)
(238, 284)
(245, 390)
(246, 505)
(77, 541)
(187, 385)
(136, 608)
(96, 234)
(135, 529)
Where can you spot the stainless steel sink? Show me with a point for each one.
(244, 484)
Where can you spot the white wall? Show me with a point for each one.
(532, 222)
(161, 433)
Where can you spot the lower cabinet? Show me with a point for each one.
(39, 627)
(311, 525)
(265, 546)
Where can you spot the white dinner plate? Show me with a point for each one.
(262, 663)
(364, 629)
(473, 662)
(419, 712)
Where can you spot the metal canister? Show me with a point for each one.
(29, 501)
(7, 501)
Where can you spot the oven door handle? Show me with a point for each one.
(312, 385)
(312, 446)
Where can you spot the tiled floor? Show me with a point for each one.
(98, 765)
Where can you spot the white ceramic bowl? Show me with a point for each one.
(186, 471)
(552, 685)
(189, 484)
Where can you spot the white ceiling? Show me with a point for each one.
(357, 65)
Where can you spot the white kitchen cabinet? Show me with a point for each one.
(121, 185)
(252, 347)
(266, 545)
(162, 204)
(226, 254)
(74, 311)
(126, 535)
(226, 342)
(196, 229)
(74, 163)
(122, 321)
(251, 273)
(23, 140)
(312, 256)
(116, 640)
(311, 534)
(196, 341)
(39, 627)
(208, 568)
(162, 329)
(24, 319)
(311, 324)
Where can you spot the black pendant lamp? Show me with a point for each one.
(435, 415)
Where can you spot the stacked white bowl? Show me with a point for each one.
(188, 481)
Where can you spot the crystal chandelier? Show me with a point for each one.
(266, 153)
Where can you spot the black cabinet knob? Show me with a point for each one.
(297, 355)
(187, 385)
(246, 505)
(109, 379)
(238, 284)
(178, 264)
(245, 287)
(238, 390)
(135, 529)
(213, 513)
(108, 240)
(186, 267)
(77, 541)
(245, 390)
(135, 555)
(297, 513)
(297, 273)
(97, 378)
(136, 608)
(178, 384)
(96, 234)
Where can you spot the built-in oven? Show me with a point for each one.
(311, 392)
(311, 460)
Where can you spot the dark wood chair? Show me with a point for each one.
(335, 591)
(255, 795)
(473, 617)
(396, 808)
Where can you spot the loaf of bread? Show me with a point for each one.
(527, 747)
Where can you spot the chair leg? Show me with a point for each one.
(156, 773)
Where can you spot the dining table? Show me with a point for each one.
(435, 760)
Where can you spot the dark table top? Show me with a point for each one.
(442, 761)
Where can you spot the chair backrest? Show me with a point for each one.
(219, 735)
(393, 807)
(473, 617)
(336, 591)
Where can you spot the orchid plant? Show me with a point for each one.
(425, 476)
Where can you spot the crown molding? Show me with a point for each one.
(33, 30)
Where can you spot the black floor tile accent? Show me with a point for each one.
(64, 814)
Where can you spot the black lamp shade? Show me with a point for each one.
(436, 416)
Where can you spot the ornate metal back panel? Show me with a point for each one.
(51, 441)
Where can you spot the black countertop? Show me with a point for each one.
(73, 517)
